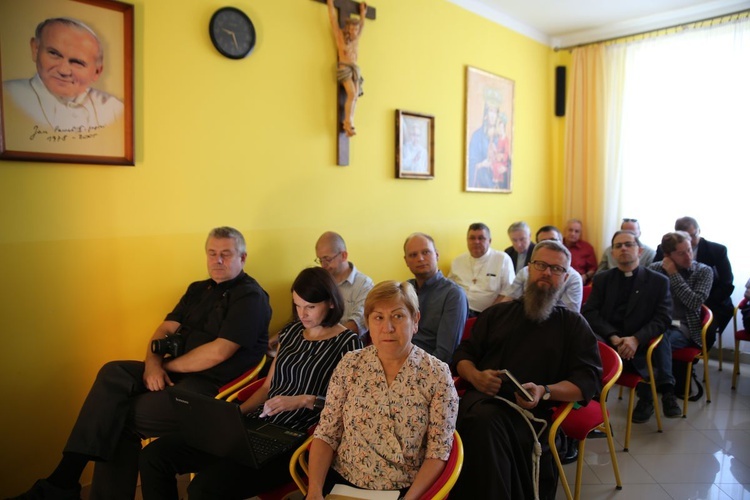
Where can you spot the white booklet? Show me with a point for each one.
(344, 492)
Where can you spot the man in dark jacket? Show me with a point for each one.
(714, 256)
(628, 307)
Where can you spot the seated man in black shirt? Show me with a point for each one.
(224, 324)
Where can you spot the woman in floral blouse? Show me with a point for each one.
(390, 410)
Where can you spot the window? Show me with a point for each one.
(684, 134)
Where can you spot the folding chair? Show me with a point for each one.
(631, 379)
(298, 468)
(739, 335)
(691, 354)
(594, 416)
(229, 390)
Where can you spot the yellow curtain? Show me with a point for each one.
(584, 187)
(593, 159)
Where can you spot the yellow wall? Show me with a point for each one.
(92, 257)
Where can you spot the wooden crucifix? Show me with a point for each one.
(347, 31)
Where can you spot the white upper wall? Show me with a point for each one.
(565, 23)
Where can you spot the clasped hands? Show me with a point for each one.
(626, 346)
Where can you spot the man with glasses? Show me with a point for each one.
(552, 352)
(571, 293)
(647, 255)
(628, 307)
(331, 254)
(484, 273)
(442, 303)
(714, 256)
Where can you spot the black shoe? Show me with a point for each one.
(671, 408)
(571, 454)
(643, 411)
(570, 457)
(597, 434)
(44, 490)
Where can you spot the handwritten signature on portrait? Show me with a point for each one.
(64, 134)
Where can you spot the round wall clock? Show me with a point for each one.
(232, 32)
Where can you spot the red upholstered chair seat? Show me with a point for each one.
(739, 336)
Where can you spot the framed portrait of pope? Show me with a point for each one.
(67, 81)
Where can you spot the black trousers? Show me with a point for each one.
(216, 477)
(116, 414)
(498, 454)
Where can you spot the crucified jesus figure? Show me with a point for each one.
(348, 73)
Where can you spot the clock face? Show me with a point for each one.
(232, 32)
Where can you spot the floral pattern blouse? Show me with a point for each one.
(381, 434)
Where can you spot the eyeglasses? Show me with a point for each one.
(326, 260)
(540, 265)
(630, 220)
(626, 244)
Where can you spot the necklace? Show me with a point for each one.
(476, 272)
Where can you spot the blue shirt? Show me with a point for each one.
(443, 308)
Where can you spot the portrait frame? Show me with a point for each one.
(34, 121)
(415, 145)
(489, 132)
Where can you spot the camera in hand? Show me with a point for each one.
(172, 344)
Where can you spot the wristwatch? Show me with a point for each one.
(547, 393)
(319, 403)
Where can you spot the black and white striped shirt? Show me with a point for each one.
(305, 367)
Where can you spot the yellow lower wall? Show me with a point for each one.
(93, 257)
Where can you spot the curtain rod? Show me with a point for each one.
(733, 16)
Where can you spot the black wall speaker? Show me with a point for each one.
(560, 73)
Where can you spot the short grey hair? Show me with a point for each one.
(684, 223)
(519, 226)
(230, 233)
(555, 246)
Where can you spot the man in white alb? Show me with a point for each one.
(484, 273)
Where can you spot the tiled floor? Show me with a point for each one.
(704, 456)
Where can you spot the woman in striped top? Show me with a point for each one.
(293, 394)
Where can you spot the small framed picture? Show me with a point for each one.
(415, 145)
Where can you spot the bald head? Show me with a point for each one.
(331, 253)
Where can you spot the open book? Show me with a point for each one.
(344, 492)
(508, 377)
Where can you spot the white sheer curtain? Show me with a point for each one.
(678, 135)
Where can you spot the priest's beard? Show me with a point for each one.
(538, 302)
